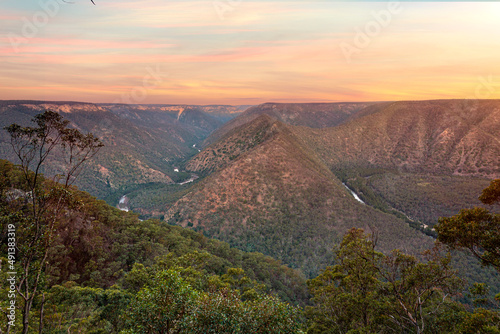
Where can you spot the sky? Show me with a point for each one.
(243, 52)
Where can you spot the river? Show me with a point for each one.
(123, 204)
(356, 197)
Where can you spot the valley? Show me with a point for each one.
(250, 167)
(288, 180)
(143, 144)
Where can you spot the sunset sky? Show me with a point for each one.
(247, 52)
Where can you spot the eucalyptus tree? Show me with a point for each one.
(476, 230)
(35, 214)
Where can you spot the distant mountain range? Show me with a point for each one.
(143, 144)
(280, 178)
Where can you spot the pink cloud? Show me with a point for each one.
(9, 17)
(44, 45)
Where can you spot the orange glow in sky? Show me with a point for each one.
(248, 52)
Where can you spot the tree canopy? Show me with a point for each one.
(369, 292)
(476, 229)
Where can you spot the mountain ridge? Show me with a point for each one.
(254, 190)
(441, 136)
(318, 115)
(274, 178)
(141, 145)
(279, 190)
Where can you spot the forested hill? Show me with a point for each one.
(454, 137)
(109, 272)
(278, 178)
(98, 246)
(125, 240)
(143, 143)
(269, 186)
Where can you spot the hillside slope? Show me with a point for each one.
(277, 187)
(142, 145)
(314, 115)
(97, 245)
(275, 196)
(449, 136)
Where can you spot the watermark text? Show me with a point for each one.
(364, 36)
(11, 274)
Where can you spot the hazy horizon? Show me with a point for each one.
(245, 104)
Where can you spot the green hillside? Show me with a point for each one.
(100, 247)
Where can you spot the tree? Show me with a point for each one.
(218, 312)
(476, 229)
(162, 306)
(185, 300)
(35, 214)
(481, 321)
(369, 292)
(346, 296)
(268, 314)
(491, 194)
(417, 291)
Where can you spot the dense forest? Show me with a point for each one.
(73, 264)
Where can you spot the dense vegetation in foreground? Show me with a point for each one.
(109, 272)
(103, 260)
(74, 264)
